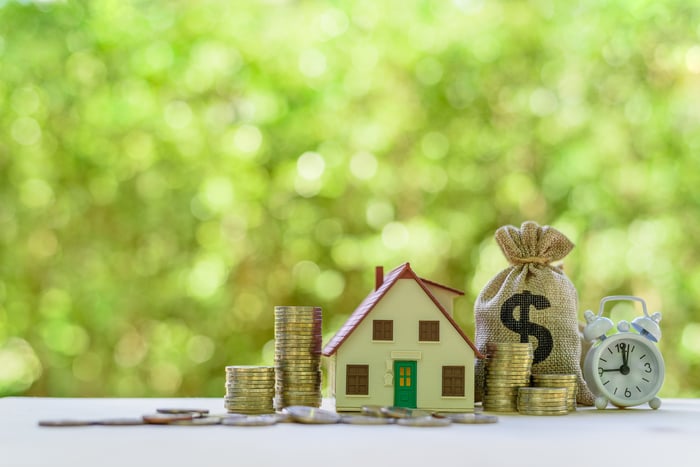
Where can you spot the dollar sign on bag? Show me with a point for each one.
(523, 326)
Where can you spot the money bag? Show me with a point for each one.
(532, 301)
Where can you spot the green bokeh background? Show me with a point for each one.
(172, 170)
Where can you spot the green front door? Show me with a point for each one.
(405, 384)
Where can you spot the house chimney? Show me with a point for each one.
(378, 277)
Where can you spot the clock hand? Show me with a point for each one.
(625, 353)
(625, 369)
(605, 370)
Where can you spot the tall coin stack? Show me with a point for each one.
(250, 389)
(298, 340)
(508, 366)
(542, 401)
(559, 381)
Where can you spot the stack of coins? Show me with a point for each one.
(570, 382)
(542, 401)
(298, 356)
(250, 389)
(508, 366)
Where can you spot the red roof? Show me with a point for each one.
(435, 284)
(402, 272)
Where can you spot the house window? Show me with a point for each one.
(357, 380)
(453, 381)
(383, 330)
(429, 331)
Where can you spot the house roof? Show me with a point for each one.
(441, 286)
(404, 271)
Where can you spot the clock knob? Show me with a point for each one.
(648, 326)
(596, 327)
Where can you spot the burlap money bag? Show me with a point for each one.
(532, 301)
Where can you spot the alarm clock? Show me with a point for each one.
(626, 368)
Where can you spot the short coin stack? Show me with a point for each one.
(508, 366)
(298, 356)
(542, 401)
(250, 389)
(559, 381)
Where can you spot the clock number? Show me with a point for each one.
(628, 393)
(647, 365)
(600, 371)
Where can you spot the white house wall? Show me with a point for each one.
(406, 304)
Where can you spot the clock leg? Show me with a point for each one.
(655, 403)
(601, 402)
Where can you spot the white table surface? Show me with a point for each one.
(634, 437)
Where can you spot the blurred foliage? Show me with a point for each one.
(171, 170)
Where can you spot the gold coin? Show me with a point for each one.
(249, 368)
(505, 403)
(501, 345)
(543, 399)
(523, 373)
(542, 403)
(501, 393)
(251, 412)
(250, 375)
(501, 409)
(557, 376)
(505, 356)
(250, 389)
(543, 412)
(251, 378)
(506, 384)
(247, 405)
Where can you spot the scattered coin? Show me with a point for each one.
(372, 411)
(198, 421)
(165, 419)
(470, 418)
(563, 411)
(403, 412)
(428, 421)
(59, 423)
(121, 421)
(283, 417)
(251, 420)
(365, 420)
(312, 415)
(176, 411)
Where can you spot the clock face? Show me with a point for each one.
(628, 369)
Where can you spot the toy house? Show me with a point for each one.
(402, 347)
